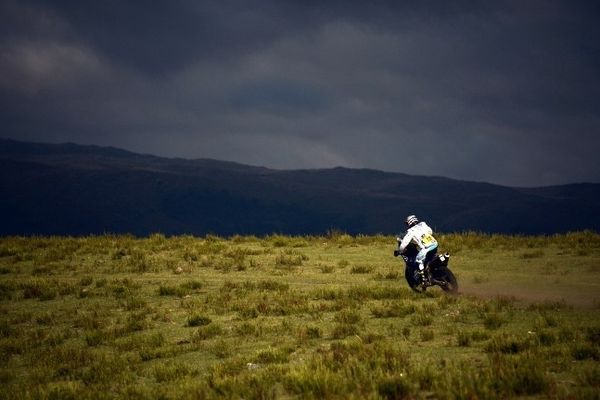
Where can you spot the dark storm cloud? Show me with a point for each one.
(495, 91)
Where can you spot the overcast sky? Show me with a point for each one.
(499, 91)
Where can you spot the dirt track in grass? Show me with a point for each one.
(575, 297)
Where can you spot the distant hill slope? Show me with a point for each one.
(72, 189)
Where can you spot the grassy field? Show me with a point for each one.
(296, 317)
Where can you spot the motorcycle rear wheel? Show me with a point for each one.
(445, 279)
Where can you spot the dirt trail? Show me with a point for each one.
(528, 295)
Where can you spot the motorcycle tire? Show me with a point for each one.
(412, 283)
(445, 279)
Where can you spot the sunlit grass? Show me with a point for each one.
(296, 317)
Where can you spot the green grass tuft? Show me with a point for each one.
(198, 320)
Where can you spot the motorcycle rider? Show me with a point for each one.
(418, 237)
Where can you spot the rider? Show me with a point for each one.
(419, 235)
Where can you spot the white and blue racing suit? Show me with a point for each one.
(422, 236)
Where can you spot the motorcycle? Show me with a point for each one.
(436, 272)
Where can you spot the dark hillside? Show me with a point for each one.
(72, 189)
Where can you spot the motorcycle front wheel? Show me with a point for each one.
(414, 284)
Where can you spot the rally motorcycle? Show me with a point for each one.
(436, 272)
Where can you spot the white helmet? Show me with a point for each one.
(411, 221)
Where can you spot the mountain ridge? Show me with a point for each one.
(74, 189)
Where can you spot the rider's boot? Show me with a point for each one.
(421, 271)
